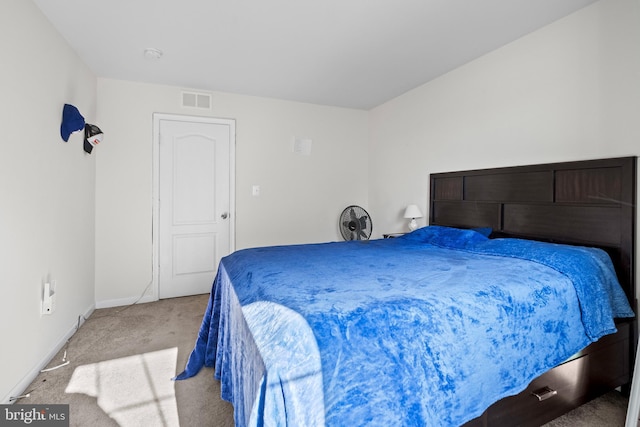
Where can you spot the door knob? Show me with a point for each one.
(224, 215)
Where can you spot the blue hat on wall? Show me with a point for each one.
(72, 121)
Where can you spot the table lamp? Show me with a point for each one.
(413, 212)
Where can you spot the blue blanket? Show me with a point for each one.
(428, 329)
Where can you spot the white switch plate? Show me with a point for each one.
(255, 190)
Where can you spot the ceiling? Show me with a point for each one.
(347, 53)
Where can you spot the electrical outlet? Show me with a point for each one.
(48, 298)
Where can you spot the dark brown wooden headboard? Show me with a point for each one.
(589, 203)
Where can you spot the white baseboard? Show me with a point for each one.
(20, 388)
(125, 301)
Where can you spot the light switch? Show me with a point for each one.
(255, 190)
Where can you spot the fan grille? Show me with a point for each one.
(355, 223)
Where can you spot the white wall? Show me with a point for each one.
(47, 190)
(301, 197)
(570, 91)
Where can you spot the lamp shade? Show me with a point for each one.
(412, 211)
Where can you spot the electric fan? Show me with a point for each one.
(355, 223)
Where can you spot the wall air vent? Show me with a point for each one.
(199, 100)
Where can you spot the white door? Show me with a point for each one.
(194, 211)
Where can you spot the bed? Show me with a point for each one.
(510, 308)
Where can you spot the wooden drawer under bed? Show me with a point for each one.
(599, 368)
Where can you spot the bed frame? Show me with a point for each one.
(589, 203)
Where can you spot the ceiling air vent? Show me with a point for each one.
(198, 100)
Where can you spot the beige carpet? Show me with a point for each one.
(122, 359)
(121, 364)
(609, 410)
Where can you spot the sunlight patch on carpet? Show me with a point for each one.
(134, 390)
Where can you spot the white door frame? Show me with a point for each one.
(157, 117)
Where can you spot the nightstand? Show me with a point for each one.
(392, 235)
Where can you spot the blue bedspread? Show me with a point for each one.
(424, 330)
